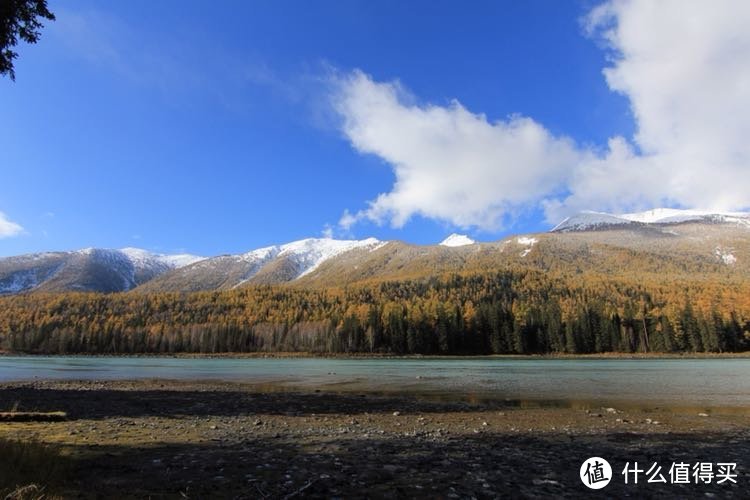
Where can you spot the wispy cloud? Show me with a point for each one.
(153, 59)
(161, 60)
(8, 228)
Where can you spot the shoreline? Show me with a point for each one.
(291, 387)
(173, 439)
(314, 355)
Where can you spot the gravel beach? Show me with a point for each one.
(169, 439)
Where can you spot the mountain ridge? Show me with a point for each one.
(589, 220)
(88, 269)
(702, 241)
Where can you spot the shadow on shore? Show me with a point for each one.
(111, 403)
(314, 460)
(487, 466)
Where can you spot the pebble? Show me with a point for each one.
(539, 482)
(443, 459)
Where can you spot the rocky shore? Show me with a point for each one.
(166, 439)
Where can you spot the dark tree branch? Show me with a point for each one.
(19, 19)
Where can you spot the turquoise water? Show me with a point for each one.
(723, 382)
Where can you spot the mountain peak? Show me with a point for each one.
(312, 252)
(587, 220)
(457, 240)
(667, 215)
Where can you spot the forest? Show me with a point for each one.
(503, 312)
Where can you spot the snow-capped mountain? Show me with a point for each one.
(674, 216)
(273, 264)
(309, 254)
(588, 221)
(89, 269)
(457, 240)
(657, 241)
(143, 259)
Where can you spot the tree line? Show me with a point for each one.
(507, 312)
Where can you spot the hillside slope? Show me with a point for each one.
(665, 244)
(90, 269)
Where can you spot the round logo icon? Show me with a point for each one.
(596, 473)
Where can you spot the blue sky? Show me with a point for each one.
(223, 127)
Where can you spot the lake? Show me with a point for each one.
(693, 382)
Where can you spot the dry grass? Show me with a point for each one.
(30, 470)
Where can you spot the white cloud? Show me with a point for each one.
(683, 66)
(450, 164)
(8, 228)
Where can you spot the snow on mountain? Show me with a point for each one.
(307, 255)
(180, 260)
(457, 240)
(260, 254)
(312, 252)
(589, 220)
(674, 215)
(88, 269)
(144, 259)
(25, 272)
(592, 220)
(528, 242)
(18, 282)
(271, 264)
(725, 255)
(137, 265)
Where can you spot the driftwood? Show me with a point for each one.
(28, 491)
(32, 416)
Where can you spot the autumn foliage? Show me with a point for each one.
(513, 311)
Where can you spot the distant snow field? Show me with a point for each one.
(592, 220)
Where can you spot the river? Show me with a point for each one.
(694, 382)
